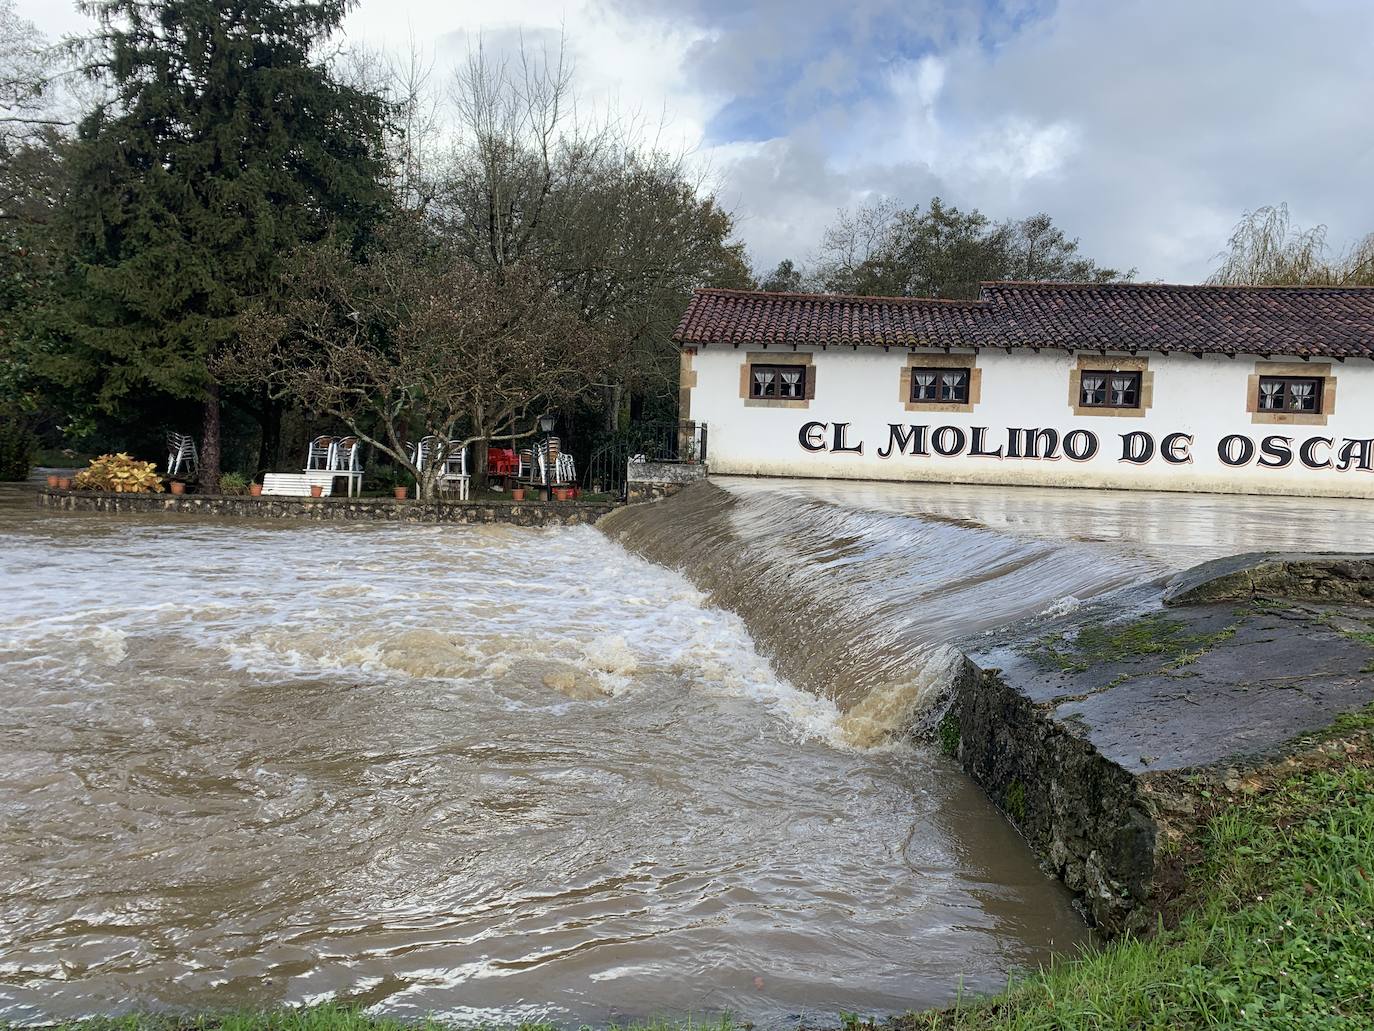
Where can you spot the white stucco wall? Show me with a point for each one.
(1205, 398)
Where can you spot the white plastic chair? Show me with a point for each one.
(320, 454)
(181, 455)
(345, 461)
(455, 469)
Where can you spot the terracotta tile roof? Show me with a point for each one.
(749, 317)
(1314, 321)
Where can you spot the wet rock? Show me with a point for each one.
(1093, 730)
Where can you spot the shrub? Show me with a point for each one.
(120, 474)
(17, 447)
(233, 483)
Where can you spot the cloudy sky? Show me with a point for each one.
(1144, 127)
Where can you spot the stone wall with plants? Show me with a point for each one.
(530, 513)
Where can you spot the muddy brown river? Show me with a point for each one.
(492, 773)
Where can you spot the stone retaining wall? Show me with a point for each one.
(651, 481)
(378, 510)
(1097, 732)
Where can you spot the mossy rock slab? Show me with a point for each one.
(1276, 576)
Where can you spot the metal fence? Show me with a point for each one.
(678, 441)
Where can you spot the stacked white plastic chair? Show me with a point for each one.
(563, 469)
(453, 459)
(182, 458)
(320, 454)
(455, 469)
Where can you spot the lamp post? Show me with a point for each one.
(546, 424)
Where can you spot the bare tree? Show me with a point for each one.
(408, 85)
(854, 241)
(416, 341)
(1267, 249)
(27, 67)
(622, 230)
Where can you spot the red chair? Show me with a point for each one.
(501, 461)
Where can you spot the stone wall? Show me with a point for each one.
(1097, 732)
(1081, 813)
(381, 510)
(651, 481)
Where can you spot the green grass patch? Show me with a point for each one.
(1280, 933)
(948, 731)
(1112, 643)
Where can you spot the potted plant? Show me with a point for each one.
(177, 487)
(400, 492)
(255, 489)
(563, 493)
(517, 493)
(233, 484)
(316, 490)
(52, 481)
(64, 483)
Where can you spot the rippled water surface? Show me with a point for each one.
(489, 773)
(496, 773)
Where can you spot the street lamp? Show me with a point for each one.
(546, 424)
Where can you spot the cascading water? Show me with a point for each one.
(497, 774)
(856, 591)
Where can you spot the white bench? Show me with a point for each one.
(296, 485)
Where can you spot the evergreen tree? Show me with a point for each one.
(224, 145)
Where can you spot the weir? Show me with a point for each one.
(1085, 702)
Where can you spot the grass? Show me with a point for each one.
(1276, 930)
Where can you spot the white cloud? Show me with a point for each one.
(1145, 127)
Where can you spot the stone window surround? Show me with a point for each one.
(1111, 363)
(1303, 370)
(918, 360)
(777, 358)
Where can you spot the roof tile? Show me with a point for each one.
(1317, 321)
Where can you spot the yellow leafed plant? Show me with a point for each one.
(119, 474)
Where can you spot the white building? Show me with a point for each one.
(1229, 389)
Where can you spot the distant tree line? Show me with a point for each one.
(940, 251)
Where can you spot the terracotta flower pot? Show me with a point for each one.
(316, 490)
(517, 494)
(255, 489)
(64, 483)
(177, 487)
(562, 494)
(401, 493)
(52, 481)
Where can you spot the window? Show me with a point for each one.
(940, 386)
(1098, 389)
(779, 382)
(1291, 394)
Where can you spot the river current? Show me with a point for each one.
(494, 773)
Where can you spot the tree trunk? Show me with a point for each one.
(270, 414)
(209, 441)
(479, 465)
(614, 394)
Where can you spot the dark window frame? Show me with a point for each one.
(939, 372)
(1138, 382)
(1286, 406)
(777, 382)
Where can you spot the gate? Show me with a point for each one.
(654, 441)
